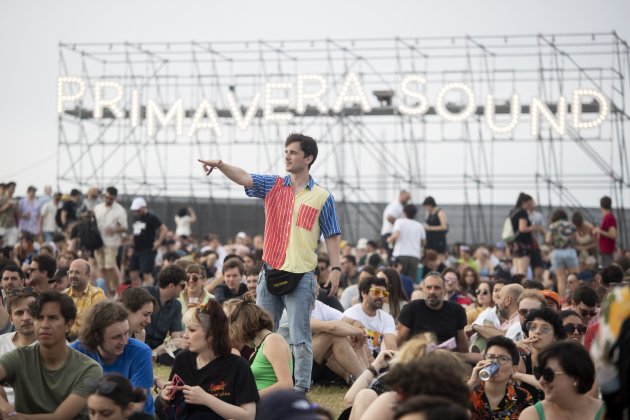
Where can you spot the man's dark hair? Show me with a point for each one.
(559, 214)
(170, 256)
(367, 283)
(307, 144)
(548, 316)
(432, 408)
(230, 256)
(134, 298)
(10, 184)
(47, 264)
(506, 344)
(369, 269)
(533, 284)
(574, 361)
(410, 211)
(372, 243)
(605, 202)
(100, 316)
(323, 257)
(234, 263)
(612, 274)
(173, 274)
(586, 295)
(113, 191)
(351, 259)
(14, 269)
(429, 201)
(66, 304)
(75, 193)
(374, 260)
(256, 269)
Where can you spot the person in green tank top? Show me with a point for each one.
(566, 374)
(272, 362)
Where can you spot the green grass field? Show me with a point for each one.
(330, 397)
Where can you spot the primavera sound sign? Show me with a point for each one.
(309, 91)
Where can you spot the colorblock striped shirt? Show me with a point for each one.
(291, 231)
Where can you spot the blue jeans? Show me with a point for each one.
(299, 304)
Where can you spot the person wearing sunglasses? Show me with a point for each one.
(195, 293)
(380, 326)
(572, 324)
(541, 327)
(483, 301)
(214, 383)
(498, 398)
(114, 398)
(585, 304)
(566, 373)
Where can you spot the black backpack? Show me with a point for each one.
(89, 235)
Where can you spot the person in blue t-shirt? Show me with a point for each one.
(104, 338)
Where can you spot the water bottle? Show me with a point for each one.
(489, 371)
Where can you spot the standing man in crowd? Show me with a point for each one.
(8, 216)
(47, 222)
(606, 232)
(297, 212)
(409, 237)
(111, 219)
(82, 293)
(29, 209)
(392, 212)
(145, 244)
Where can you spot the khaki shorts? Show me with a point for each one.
(106, 257)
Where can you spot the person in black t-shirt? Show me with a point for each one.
(233, 286)
(216, 383)
(523, 228)
(145, 227)
(443, 318)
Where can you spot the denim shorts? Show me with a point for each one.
(564, 258)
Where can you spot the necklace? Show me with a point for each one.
(201, 364)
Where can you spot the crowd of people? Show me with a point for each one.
(533, 326)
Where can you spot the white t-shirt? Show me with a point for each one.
(377, 326)
(183, 225)
(408, 241)
(323, 312)
(393, 209)
(488, 318)
(48, 212)
(113, 217)
(349, 293)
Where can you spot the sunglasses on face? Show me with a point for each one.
(570, 327)
(524, 312)
(541, 328)
(501, 359)
(587, 314)
(546, 373)
(482, 292)
(192, 279)
(379, 292)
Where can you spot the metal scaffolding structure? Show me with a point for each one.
(366, 153)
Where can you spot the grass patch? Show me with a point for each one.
(330, 397)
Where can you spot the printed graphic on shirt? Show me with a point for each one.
(218, 389)
(138, 227)
(374, 339)
(307, 217)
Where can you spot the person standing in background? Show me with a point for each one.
(393, 211)
(606, 233)
(436, 226)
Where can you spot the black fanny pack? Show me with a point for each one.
(280, 282)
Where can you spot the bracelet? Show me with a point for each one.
(335, 268)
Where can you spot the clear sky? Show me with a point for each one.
(31, 30)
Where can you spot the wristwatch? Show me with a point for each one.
(335, 269)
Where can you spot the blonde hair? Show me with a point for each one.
(415, 348)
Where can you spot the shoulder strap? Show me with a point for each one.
(540, 410)
(600, 411)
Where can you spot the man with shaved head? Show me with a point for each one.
(82, 293)
(507, 305)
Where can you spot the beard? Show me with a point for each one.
(433, 301)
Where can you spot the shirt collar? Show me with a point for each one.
(309, 185)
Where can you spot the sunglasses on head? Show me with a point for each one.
(22, 291)
(570, 327)
(546, 373)
(105, 388)
(379, 292)
(482, 292)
